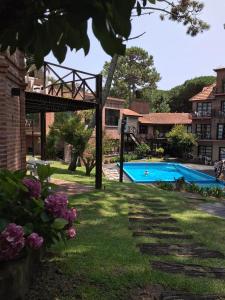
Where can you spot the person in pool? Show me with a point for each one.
(146, 172)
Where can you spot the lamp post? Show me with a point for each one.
(123, 124)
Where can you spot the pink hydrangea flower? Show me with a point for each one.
(71, 233)
(70, 215)
(56, 204)
(35, 241)
(33, 186)
(12, 241)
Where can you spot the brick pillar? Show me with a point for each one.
(12, 112)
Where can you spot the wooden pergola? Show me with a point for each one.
(72, 90)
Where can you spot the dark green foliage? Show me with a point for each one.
(180, 95)
(70, 129)
(159, 151)
(16, 206)
(38, 27)
(180, 140)
(142, 150)
(159, 100)
(166, 186)
(176, 99)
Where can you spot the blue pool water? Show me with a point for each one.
(167, 172)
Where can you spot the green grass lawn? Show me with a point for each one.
(104, 257)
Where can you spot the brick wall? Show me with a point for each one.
(220, 79)
(140, 106)
(12, 112)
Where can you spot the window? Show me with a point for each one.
(205, 151)
(189, 128)
(203, 131)
(223, 106)
(223, 86)
(143, 129)
(221, 131)
(222, 154)
(204, 109)
(112, 117)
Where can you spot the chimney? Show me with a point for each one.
(220, 80)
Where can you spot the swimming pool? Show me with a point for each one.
(167, 172)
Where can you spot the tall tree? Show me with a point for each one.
(158, 99)
(71, 130)
(135, 70)
(177, 98)
(180, 95)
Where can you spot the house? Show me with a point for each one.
(141, 125)
(153, 127)
(208, 119)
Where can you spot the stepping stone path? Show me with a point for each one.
(148, 216)
(189, 269)
(154, 220)
(156, 227)
(163, 235)
(189, 250)
(142, 214)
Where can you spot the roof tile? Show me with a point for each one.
(166, 118)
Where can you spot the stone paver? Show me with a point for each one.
(141, 227)
(148, 214)
(162, 235)
(153, 220)
(189, 269)
(188, 250)
(145, 219)
(216, 209)
(158, 292)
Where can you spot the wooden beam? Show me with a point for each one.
(98, 134)
(43, 136)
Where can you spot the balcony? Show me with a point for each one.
(201, 114)
(204, 136)
(219, 114)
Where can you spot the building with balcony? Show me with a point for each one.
(153, 127)
(208, 119)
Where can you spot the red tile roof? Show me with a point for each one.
(166, 118)
(206, 94)
(129, 112)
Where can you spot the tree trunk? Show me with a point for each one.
(73, 163)
(107, 87)
(88, 171)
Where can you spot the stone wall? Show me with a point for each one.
(12, 112)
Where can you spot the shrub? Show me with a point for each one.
(192, 188)
(31, 213)
(166, 186)
(142, 150)
(180, 184)
(205, 191)
(159, 151)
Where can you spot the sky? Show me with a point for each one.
(177, 56)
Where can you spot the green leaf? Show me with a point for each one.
(59, 224)
(44, 172)
(3, 224)
(28, 228)
(44, 217)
